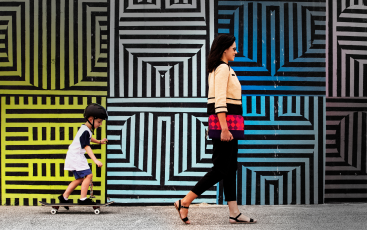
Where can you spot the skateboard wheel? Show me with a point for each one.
(96, 211)
(53, 211)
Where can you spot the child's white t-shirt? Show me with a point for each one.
(75, 158)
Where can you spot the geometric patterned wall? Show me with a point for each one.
(157, 99)
(58, 46)
(301, 65)
(36, 132)
(281, 45)
(281, 158)
(346, 149)
(345, 172)
(53, 62)
(281, 52)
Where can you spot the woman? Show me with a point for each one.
(224, 97)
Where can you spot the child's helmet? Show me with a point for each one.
(96, 111)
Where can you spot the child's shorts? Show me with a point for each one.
(81, 174)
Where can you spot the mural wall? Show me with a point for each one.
(53, 62)
(301, 65)
(346, 171)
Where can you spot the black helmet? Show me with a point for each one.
(96, 111)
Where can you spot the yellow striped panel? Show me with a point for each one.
(35, 134)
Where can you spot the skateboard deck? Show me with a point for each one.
(55, 206)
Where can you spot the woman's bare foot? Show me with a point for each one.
(182, 211)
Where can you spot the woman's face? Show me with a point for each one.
(230, 53)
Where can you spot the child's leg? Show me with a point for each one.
(72, 186)
(85, 186)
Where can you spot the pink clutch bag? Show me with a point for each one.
(236, 126)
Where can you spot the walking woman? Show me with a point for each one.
(224, 97)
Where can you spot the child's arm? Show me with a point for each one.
(91, 155)
(103, 141)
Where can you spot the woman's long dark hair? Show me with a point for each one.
(219, 45)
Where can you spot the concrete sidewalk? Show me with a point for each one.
(328, 216)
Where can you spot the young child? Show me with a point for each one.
(76, 161)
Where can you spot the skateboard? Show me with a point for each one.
(55, 206)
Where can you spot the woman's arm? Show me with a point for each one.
(221, 84)
(221, 76)
(226, 135)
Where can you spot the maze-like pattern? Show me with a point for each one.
(157, 149)
(345, 174)
(159, 78)
(35, 134)
(53, 51)
(281, 45)
(12, 22)
(346, 162)
(53, 45)
(161, 48)
(157, 103)
(347, 53)
(281, 160)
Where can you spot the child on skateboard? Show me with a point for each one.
(76, 161)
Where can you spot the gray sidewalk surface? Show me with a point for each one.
(326, 216)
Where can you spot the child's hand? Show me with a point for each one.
(104, 141)
(98, 163)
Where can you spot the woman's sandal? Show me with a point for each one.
(252, 221)
(179, 208)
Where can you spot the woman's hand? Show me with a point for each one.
(226, 135)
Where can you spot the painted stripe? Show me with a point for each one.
(162, 23)
(223, 31)
(158, 200)
(278, 132)
(154, 192)
(224, 21)
(276, 142)
(279, 78)
(285, 88)
(162, 50)
(279, 123)
(156, 109)
(162, 32)
(301, 69)
(266, 151)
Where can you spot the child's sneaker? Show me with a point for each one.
(87, 201)
(63, 201)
